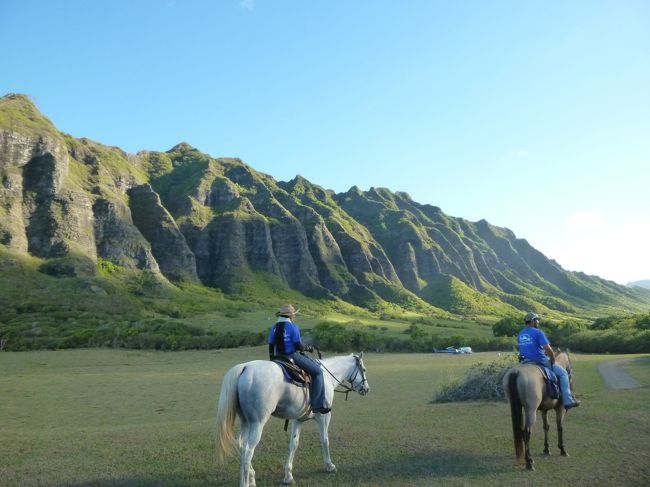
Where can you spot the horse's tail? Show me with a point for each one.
(516, 414)
(227, 412)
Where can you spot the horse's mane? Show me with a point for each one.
(338, 358)
(562, 357)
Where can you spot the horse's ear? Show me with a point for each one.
(360, 354)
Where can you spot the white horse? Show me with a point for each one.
(254, 391)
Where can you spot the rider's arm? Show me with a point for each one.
(548, 350)
(304, 348)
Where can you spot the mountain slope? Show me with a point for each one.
(185, 216)
(645, 283)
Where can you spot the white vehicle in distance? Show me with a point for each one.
(453, 350)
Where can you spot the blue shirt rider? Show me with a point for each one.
(535, 347)
(284, 339)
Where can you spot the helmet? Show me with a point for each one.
(530, 317)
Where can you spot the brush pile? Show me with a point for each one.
(481, 383)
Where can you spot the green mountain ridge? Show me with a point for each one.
(645, 283)
(187, 218)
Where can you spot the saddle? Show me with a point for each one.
(550, 378)
(551, 381)
(292, 373)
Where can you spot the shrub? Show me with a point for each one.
(507, 327)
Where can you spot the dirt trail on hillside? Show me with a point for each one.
(615, 375)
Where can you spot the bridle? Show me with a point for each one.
(569, 368)
(358, 370)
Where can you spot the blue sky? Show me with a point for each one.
(533, 115)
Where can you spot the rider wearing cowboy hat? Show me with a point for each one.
(284, 339)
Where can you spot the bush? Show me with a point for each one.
(335, 337)
(156, 334)
(561, 334)
(507, 327)
(611, 341)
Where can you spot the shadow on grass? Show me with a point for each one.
(155, 481)
(418, 468)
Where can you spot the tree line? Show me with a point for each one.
(630, 334)
(613, 334)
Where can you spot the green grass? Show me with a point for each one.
(18, 113)
(108, 418)
(37, 311)
(261, 320)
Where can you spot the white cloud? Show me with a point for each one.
(247, 4)
(603, 245)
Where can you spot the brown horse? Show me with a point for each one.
(526, 391)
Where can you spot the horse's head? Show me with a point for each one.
(358, 379)
(562, 358)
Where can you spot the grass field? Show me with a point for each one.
(254, 321)
(128, 418)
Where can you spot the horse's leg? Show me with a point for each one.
(546, 428)
(559, 417)
(294, 441)
(530, 414)
(323, 427)
(241, 441)
(250, 437)
(530, 463)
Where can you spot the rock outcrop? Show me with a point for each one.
(190, 217)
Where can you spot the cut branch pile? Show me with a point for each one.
(481, 383)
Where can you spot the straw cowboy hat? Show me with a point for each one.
(287, 310)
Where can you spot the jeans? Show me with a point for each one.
(317, 392)
(563, 376)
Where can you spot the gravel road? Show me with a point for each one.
(615, 375)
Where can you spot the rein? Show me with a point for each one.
(347, 388)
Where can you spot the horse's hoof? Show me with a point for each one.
(530, 467)
(331, 468)
(547, 453)
(564, 454)
(288, 482)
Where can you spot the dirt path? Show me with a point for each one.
(615, 375)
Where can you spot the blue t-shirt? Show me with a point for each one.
(291, 337)
(531, 343)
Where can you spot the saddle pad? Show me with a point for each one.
(292, 373)
(552, 383)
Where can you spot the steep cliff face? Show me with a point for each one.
(234, 224)
(420, 246)
(190, 217)
(352, 263)
(40, 213)
(168, 246)
(64, 196)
